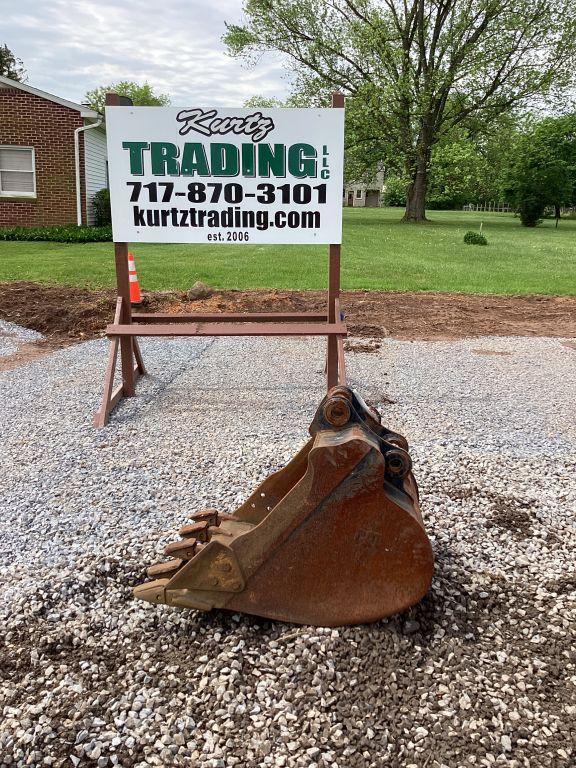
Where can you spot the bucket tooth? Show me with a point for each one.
(185, 549)
(334, 538)
(210, 516)
(152, 591)
(199, 531)
(161, 569)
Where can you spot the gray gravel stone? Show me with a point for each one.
(479, 674)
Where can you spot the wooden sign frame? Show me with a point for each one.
(128, 326)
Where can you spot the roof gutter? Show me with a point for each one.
(77, 133)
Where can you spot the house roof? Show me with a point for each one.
(6, 82)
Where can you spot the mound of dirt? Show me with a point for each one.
(67, 313)
(61, 311)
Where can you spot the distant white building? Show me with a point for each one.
(364, 194)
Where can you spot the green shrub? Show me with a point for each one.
(65, 234)
(101, 207)
(475, 238)
(442, 203)
(394, 192)
(531, 211)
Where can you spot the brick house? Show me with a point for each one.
(52, 158)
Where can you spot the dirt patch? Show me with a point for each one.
(377, 314)
(59, 311)
(511, 515)
(565, 585)
(27, 353)
(517, 521)
(68, 313)
(362, 346)
(507, 513)
(462, 493)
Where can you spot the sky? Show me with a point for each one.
(71, 46)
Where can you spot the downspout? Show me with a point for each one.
(77, 133)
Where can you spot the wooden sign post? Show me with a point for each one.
(166, 157)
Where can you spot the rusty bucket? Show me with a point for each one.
(335, 537)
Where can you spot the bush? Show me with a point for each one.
(394, 192)
(475, 238)
(531, 211)
(442, 203)
(101, 207)
(65, 234)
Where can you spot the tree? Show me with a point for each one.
(141, 95)
(416, 68)
(543, 169)
(11, 66)
(264, 102)
(271, 102)
(470, 165)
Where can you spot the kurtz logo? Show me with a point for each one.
(207, 122)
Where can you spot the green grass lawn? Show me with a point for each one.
(378, 252)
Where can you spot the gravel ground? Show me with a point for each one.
(479, 673)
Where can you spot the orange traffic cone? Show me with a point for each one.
(135, 296)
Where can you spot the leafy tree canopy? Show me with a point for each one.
(11, 66)
(543, 168)
(468, 166)
(268, 102)
(141, 95)
(416, 68)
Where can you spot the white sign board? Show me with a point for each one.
(225, 175)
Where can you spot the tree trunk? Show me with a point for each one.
(557, 213)
(416, 194)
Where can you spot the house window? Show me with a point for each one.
(358, 194)
(17, 173)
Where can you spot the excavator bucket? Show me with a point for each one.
(334, 538)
